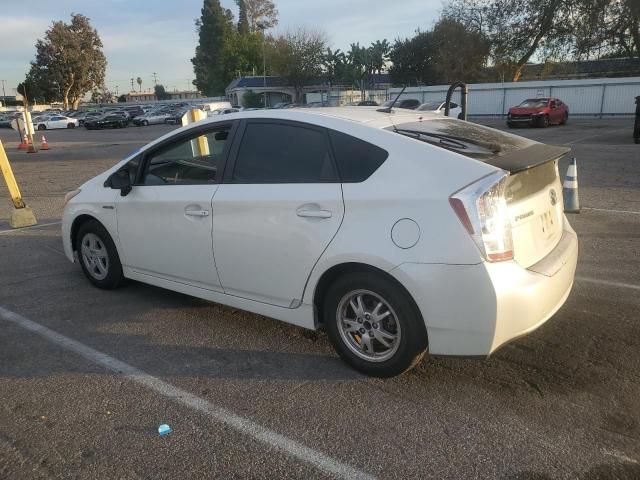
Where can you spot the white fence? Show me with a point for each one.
(598, 96)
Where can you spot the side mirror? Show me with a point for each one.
(120, 181)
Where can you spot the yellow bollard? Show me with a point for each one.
(200, 146)
(22, 216)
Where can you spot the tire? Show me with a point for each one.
(544, 122)
(98, 256)
(42, 127)
(565, 119)
(401, 318)
(71, 125)
(145, 123)
(509, 125)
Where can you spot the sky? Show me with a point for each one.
(141, 37)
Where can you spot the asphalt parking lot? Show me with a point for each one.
(86, 376)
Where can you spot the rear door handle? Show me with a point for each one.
(197, 213)
(303, 212)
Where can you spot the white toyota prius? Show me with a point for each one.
(397, 232)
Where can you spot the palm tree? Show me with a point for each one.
(139, 81)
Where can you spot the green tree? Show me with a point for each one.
(461, 54)
(161, 93)
(298, 57)
(608, 28)
(70, 60)
(263, 12)
(251, 99)
(215, 35)
(414, 60)
(518, 29)
(243, 22)
(122, 99)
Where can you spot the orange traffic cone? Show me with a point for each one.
(43, 144)
(25, 143)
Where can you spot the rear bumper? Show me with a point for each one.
(472, 310)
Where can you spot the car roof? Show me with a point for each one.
(369, 116)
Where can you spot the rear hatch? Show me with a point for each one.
(534, 191)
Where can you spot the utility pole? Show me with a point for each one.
(155, 78)
(4, 95)
(132, 84)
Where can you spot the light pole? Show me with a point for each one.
(261, 26)
(4, 95)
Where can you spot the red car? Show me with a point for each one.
(538, 112)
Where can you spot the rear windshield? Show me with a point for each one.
(466, 138)
(494, 147)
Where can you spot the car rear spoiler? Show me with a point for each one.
(526, 158)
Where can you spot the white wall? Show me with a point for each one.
(606, 96)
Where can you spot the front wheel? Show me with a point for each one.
(42, 127)
(565, 119)
(374, 325)
(98, 256)
(71, 125)
(145, 123)
(543, 121)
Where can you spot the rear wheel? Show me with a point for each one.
(98, 256)
(71, 125)
(42, 127)
(145, 123)
(565, 119)
(374, 325)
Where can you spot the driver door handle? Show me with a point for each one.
(305, 212)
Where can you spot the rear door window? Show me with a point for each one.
(273, 152)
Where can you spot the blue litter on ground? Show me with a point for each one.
(164, 429)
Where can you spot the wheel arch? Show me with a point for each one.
(77, 223)
(332, 273)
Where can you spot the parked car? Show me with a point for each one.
(152, 118)
(5, 121)
(407, 103)
(222, 111)
(175, 118)
(455, 110)
(280, 105)
(538, 112)
(108, 121)
(367, 103)
(134, 111)
(89, 116)
(394, 232)
(53, 122)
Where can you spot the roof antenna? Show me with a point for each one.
(388, 109)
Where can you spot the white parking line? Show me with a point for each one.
(218, 414)
(633, 212)
(608, 283)
(14, 230)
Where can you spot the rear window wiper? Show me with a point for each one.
(449, 141)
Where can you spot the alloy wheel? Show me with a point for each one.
(368, 325)
(95, 256)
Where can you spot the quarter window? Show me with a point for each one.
(356, 159)
(191, 160)
(283, 153)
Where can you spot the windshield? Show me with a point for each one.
(534, 103)
(429, 106)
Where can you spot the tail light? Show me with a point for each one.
(482, 209)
